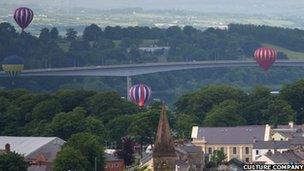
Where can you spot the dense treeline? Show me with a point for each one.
(285, 37)
(116, 45)
(111, 117)
(89, 119)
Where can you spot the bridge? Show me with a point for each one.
(130, 70)
(148, 68)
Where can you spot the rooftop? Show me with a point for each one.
(111, 157)
(232, 135)
(188, 148)
(285, 157)
(27, 145)
(271, 145)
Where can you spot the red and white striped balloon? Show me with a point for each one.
(23, 17)
(265, 57)
(140, 94)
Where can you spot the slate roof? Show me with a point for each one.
(189, 148)
(111, 157)
(26, 145)
(288, 127)
(236, 162)
(271, 145)
(277, 158)
(232, 135)
(182, 164)
(297, 141)
(285, 157)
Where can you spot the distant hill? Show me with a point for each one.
(282, 7)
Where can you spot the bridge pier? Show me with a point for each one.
(129, 84)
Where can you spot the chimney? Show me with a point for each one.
(7, 148)
(254, 140)
(267, 135)
(291, 124)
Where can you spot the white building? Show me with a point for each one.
(260, 148)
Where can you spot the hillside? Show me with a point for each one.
(290, 53)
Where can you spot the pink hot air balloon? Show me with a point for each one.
(23, 17)
(140, 94)
(265, 57)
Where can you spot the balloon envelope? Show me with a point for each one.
(140, 94)
(12, 65)
(23, 17)
(265, 57)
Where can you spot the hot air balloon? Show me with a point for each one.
(23, 17)
(13, 65)
(265, 57)
(140, 94)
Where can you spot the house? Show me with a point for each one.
(40, 152)
(154, 48)
(262, 147)
(190, 155)
(287, 132)
(232, 165)
(236, 142)
(112, 163)
(285, 157)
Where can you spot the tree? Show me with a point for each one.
(252, 109)
(12, 162)
(127, 151)
(189, 30)
(70, 99)
(45, 110)
(95, 126)
(199, 103)
(70, 159)
(279, 112)
(92, 33)
(218, 157)
(71, 34)
(184, 124)
(90, 147)
(143, 126)
(224, 114)
(109, 105)
(294, 95)
(64, 125)
(44, 34)
(54, 33)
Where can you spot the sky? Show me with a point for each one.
(230, 6)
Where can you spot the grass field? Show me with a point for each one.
(291, 54)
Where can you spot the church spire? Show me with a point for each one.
(164, 156)
(164, 144)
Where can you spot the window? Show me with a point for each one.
(234, 150)
(247, 150)
(257, 152)
(281, 139)
(247, 160)
(116, 165)
(209, 150)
